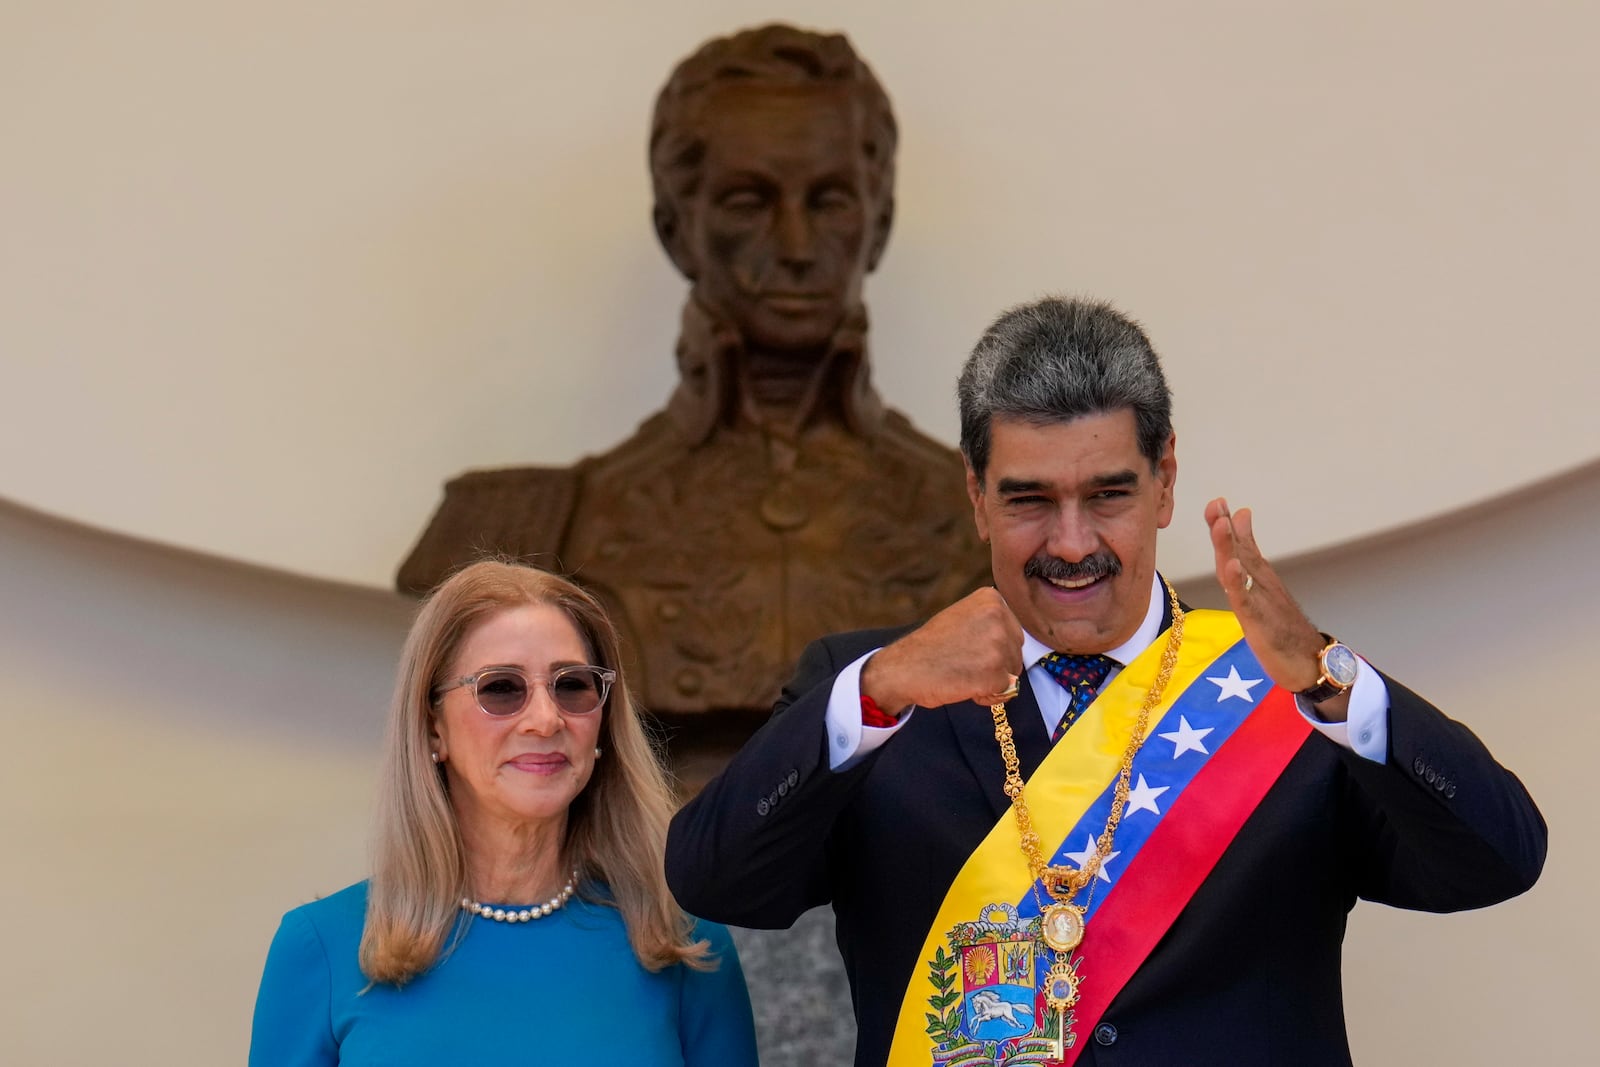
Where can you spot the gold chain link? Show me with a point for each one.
(1063, 883)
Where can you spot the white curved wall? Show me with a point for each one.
(273, 272)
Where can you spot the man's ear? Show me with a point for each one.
(669, 232)
(1167, 478)
(980, 518)
(880, 234)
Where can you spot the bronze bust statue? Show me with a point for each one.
(776, 498)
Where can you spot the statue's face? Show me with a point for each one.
(779, 233)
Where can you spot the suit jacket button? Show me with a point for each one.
(1105, 1034)
(794, 778)
(783, 788)
(1450, 791)
(1431, 775)
(762, 807)
(1418, 766)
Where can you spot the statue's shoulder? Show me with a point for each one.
(650, 450)
(521, 512)
(522, 494)
(899, 435)
(526, 512)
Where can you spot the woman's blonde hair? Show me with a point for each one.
(616, 828)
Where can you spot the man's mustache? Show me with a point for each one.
(1097, 565)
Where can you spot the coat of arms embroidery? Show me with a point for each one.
(988, 1008)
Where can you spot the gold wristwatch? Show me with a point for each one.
(1339, 666)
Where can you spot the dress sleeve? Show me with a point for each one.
(714, 1021)
(293, 1022)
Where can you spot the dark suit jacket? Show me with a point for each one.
(1248, 973)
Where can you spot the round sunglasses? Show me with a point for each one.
(577, 689)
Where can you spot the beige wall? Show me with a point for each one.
(272, 272)
(265, 273)
(190, 745)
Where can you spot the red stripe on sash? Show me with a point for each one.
(1181, 852)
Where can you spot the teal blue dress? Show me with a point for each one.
(564, 989)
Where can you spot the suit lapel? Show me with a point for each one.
(974, 730)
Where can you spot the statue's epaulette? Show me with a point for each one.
(521, 513)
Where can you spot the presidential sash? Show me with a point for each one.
(1215, 744)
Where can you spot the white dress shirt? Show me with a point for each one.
(1365, 732)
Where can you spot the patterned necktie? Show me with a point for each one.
(1081, 677)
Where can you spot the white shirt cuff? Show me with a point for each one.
(1365, 730)
(849, 740)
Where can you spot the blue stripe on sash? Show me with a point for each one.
(1167, 767)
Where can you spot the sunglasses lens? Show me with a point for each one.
(502, 693)
(579, 690)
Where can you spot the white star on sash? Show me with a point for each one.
(1142, 797)
(1187, 739)
(1082, 860)
(1235, 686)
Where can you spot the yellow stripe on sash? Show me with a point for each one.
(1077, 771)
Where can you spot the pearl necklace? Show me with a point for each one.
(522, 915)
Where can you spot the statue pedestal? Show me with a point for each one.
(797, 982)
(799, 992)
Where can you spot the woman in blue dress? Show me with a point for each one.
(517, 911)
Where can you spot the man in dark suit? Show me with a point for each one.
(1167, 882)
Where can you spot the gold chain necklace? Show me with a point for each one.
(1062, 923)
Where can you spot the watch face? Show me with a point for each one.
(1340, 664)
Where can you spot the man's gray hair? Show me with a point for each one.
(1056, 360)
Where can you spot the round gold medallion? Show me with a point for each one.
(1061, 926)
